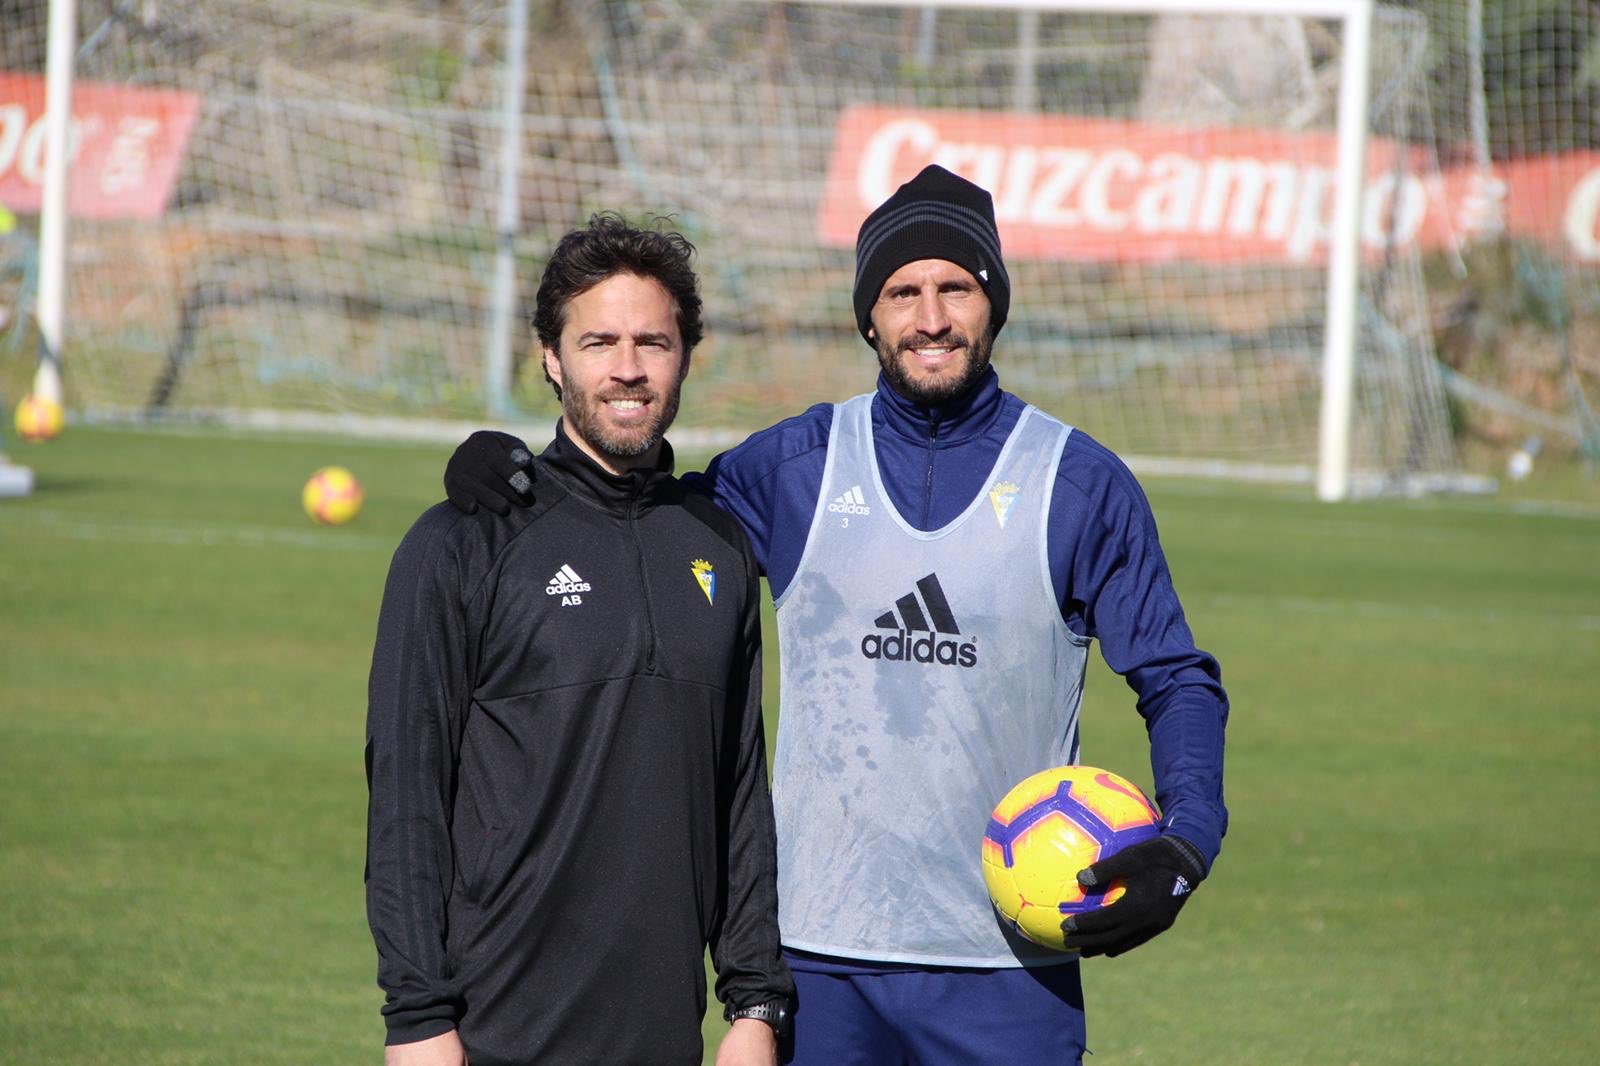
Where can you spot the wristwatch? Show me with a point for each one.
(774, 1012)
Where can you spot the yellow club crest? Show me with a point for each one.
(1004, 496)
(705, 576)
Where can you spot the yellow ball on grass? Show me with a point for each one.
(38, 419)
(332, 497)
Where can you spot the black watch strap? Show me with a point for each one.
(774, 1012)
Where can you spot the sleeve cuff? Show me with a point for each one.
(1189, 856)
(411, 1030)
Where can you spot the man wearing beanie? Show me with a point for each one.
(941, 555)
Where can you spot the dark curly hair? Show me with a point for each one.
(606, 247)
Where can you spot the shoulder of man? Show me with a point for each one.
(764, 452)
(703, 509)
(1097, 476)
(473, 544)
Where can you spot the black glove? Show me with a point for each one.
(491, 469)
(1158, 876)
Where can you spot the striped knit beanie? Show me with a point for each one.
(935, 215)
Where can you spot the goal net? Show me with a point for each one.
(1515, 88)
(1164, 184)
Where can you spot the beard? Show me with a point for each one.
(585, 414)
(935, 391)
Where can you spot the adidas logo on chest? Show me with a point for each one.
(568, 585)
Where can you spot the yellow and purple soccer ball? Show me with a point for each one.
(332, 497)
(38, 419)
(1049, 827)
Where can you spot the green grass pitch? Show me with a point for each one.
(1413, 768)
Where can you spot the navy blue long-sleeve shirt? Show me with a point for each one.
(1109, 573)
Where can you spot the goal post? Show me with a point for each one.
(497, 361)
(51, 313)
(1339, 346)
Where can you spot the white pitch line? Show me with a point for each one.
(91, 528)
(1409, 612)
(1208, 489)
(1556, 508)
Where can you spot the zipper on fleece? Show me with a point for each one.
(927, 499)
(644, 583)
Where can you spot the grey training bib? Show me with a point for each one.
(924, 674)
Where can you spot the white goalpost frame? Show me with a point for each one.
(498, 356)
(1344, 243)
(50, 306)
(1331, 475)
(50, 310)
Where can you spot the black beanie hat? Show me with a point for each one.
(935, 215)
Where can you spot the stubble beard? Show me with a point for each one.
(584, 414)
(935, 392)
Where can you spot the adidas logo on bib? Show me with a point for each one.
(918, 621)
(851, 502)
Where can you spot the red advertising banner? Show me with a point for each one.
(1552, 198)
(1098, 189)
(125, 143)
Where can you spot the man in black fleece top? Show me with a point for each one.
(568, 785)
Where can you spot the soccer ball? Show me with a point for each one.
(1049, 827)
(38, 418)
(332, 496)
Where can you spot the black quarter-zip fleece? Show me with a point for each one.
(568, 788)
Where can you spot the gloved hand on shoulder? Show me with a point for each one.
(489, 469)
